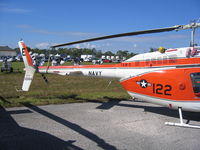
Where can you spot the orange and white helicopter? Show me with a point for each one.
(168, 77)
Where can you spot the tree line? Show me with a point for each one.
(77, 52)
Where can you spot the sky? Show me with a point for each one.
(43, 23)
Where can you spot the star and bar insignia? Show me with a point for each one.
(143, 83)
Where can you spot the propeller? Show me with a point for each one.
(177, 27)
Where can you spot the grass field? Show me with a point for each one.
(60, 89)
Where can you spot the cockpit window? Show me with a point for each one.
(196, 82)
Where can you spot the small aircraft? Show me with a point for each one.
(167, 77)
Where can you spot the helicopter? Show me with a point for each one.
(167, 77)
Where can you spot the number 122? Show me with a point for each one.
(162, 89)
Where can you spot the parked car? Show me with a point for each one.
(97, 61)
(106, 60)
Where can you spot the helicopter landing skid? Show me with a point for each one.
(181, 124)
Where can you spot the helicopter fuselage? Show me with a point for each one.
(171, 78)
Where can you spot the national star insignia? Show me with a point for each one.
(143, 83)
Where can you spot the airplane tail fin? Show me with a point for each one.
(29, 67)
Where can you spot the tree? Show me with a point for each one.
(122, 53)
(98, 54)
(75, 52)
(17, 50)
(109, 53)
(130, 55)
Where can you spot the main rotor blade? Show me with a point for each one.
(119, 35)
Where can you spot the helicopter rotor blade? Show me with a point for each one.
(119, 35)
(177, 28)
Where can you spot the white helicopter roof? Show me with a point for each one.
(168, 54)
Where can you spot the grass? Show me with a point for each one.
(59, 90)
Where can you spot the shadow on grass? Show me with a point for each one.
(15, 71)
(4, 100)
(71, 96)
(12, 136)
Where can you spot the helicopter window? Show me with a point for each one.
(196, 82)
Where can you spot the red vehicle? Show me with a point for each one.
(106, 60)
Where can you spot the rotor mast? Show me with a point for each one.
(192, 26)
(192, 43)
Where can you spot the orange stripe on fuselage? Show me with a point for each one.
(171, 50)
(137, 64)
(28, 57)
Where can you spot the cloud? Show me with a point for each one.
(6, 8)
(129, 43)
(85, 35)
(24, 26)
(88, 45)
(14, 10)
(80, 34)
(76, 34)
(105, 44)
(29, 28)
(85, 45)
(42, 45)
(151, 38)
(77, 46)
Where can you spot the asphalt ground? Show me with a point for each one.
(121, 125)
